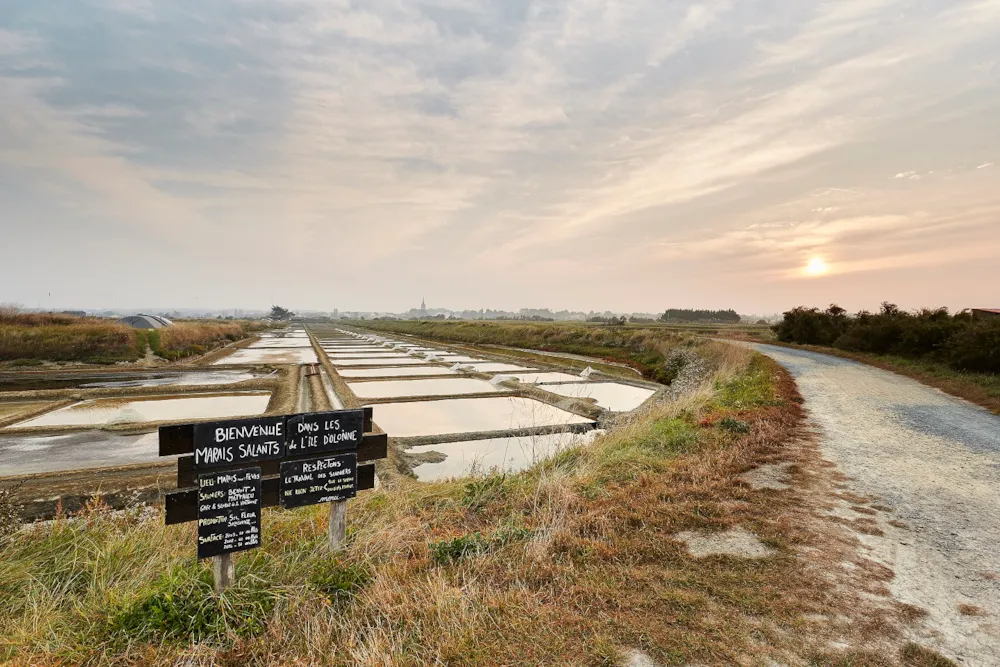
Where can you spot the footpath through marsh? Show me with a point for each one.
(927, 467)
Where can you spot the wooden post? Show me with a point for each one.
(225, 573)
(338, 525)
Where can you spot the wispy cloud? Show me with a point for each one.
(466, 144)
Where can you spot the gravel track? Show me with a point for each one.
(934, 461)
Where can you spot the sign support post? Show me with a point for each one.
(338, 525)
(223, 571)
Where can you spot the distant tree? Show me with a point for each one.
(279, 313)
(688, 315)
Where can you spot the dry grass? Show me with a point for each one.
(89, 340)
(970, 610)
(11, 315)
(58, 337)
(185, 339)
(570, 562)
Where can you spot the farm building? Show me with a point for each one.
(141, 321)
(986, 313)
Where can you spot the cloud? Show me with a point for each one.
(450, 138)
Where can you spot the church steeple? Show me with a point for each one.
(423, 306)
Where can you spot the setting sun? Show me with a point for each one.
(816, 267)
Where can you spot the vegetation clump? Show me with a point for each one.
(31, 338)
(958, 340)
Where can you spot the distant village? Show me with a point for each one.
(423, 312)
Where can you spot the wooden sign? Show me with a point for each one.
(228, 511)
(320, 480)
(321, 432)
(238, 441)
(217, 488)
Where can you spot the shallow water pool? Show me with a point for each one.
(406, 371)
(497, 367)
(106, 411)
(32, 454)
(377, 361)
(279, 343)
(469, 415)
(245, 357)
(493, 454)
(536, 378)
(436, 387)
(608, 395)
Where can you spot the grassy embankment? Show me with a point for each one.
(647, 349)
(28, 339)
(570, 562)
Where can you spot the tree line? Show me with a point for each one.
(687, 315)
(958, 340)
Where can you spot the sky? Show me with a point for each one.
(579, 154)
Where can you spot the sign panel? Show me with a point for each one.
(320, 432)
(320, 480)
(228, 511)
(238, 441)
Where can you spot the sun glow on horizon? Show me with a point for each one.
(816, 267)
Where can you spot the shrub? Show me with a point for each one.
(975, 348)
(812, 326)
(935, 335)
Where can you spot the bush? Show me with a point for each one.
(811, 326)
(976, 348)
(935, 335)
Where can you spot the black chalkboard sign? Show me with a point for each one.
(321, 432)
(320, 480)
(238, 441)
(228, 511)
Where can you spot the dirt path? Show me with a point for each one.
(931, 462)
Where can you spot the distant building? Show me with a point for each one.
(423, 307)
(77, 313)
(141, 321)
(985, 313)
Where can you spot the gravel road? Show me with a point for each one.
(935, 461)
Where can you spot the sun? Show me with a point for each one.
(816, 267)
